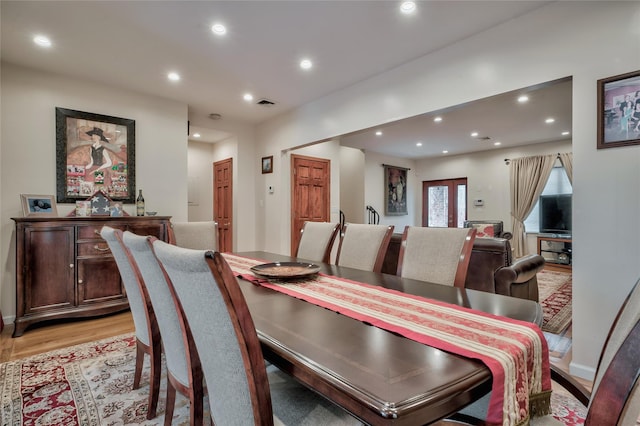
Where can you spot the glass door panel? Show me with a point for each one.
(444, 203)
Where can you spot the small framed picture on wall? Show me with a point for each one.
(267, 164)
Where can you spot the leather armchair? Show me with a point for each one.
(492, 269)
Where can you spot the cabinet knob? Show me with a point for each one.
(79, 281)
(98, 248)
(71, 265)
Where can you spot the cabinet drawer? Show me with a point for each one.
(93, 248)
(86, 232)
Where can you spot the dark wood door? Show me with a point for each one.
(48, 268)
(223, 203)
(310, 194)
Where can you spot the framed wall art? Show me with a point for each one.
(267, 164)
(395, 185)
(619, 110)
(38, 205)
(94, 153)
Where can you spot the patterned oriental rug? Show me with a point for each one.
(91, 385)
(555, 299)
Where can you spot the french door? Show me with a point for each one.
(444, 203)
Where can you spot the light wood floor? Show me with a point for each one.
(48, 337)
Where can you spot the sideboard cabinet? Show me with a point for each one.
(64, 269)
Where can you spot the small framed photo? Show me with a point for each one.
(39, 205)
(619, 110)
(267, 164)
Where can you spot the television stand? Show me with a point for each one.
(557, 250)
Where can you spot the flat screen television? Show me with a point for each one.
(555, 214)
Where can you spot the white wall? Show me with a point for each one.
(375, 190)
(28, 145)
(559, 40)
(352, 183)
(200, 179)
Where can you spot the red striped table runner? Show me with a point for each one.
(515, 351)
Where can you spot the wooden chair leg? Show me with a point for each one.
(196, 409)
(154, 380)
(140, 351)
(171, 402)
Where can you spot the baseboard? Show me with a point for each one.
(582, 371)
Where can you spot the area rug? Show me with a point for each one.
(91, 384)
(555, 298)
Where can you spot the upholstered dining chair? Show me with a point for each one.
(437, 255)
(183, 367)
(363, 246)
(194, 235)
(316, 241)
(241, 391)
(615, 398)
(144, 318)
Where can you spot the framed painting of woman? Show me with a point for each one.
(94, 153)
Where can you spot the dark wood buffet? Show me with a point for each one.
(64, 269)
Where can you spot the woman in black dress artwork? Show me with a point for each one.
(99, 156)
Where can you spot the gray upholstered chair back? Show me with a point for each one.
(196, 235)
(214, 317)
(437, 255)
(364, 246)
(162, 301)
(113, 237)
(316, 241)
(625, 321)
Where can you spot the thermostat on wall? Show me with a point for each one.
(478, 202)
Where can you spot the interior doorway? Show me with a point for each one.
(223, 203)
(444, 203)
(310, 193)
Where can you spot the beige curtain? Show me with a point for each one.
(566, 158)
(528, 177)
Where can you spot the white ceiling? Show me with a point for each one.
(134, 44)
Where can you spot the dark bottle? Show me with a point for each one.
(140, 204)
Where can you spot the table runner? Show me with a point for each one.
(515, 351)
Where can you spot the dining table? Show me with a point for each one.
(379, 376)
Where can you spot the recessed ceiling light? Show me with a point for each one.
(306, 64)
(408, 7)
(497, 143)
(522, 99)
(437, 119)
(196, 135)
(474, 134)
(219, 29)
(42, 41)
(173, 76)
(445, 152)
(379, 133)
(566, 133)
(418, 143)
(550, 120)
(248, 97)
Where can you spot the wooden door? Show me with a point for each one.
(444, 203)
(223, 203)
(310, 194)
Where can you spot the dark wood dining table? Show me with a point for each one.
(378, 376)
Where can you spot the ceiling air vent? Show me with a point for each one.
(484, 138)
(265, 102)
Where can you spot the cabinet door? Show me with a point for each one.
(98, 280)
(48, 268)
